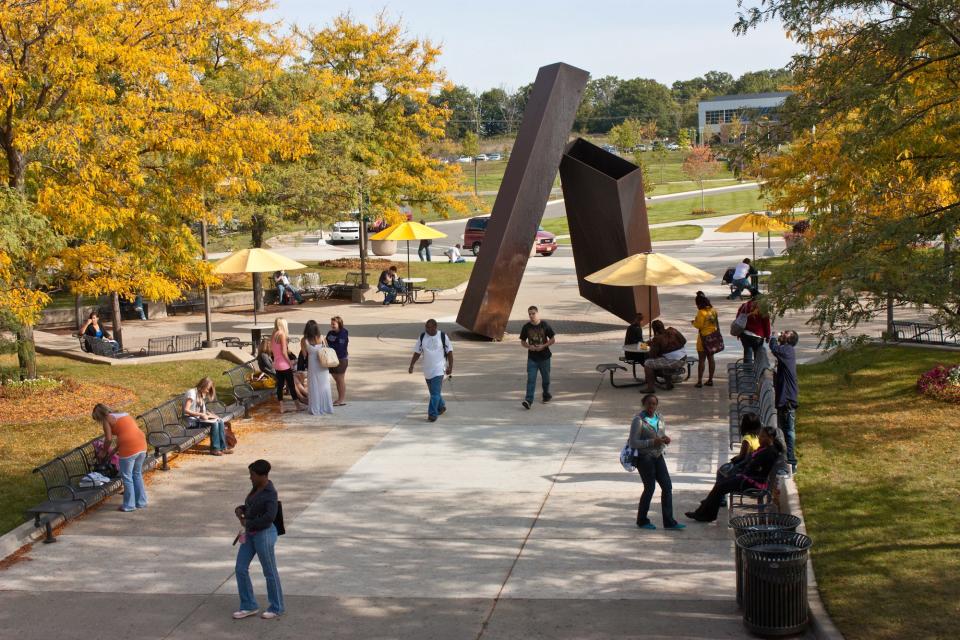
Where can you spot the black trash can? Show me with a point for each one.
(775, 582)
(757, 522)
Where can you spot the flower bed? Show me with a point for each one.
(941, 382)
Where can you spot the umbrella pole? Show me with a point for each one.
(408, 259)
(753, 237)
(650, 311)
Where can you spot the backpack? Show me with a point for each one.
(443, 341)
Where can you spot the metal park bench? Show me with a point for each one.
(244, 393)
(173, 344)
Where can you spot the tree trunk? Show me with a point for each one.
(257, 228)
(26, 352)
(77, 314)
(475, 192)
(117, 320)
(890, 330)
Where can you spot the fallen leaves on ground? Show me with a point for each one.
(71, 399)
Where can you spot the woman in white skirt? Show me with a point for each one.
(320, 400)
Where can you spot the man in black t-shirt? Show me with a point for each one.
(536, 337)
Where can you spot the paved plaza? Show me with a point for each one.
(494, 522)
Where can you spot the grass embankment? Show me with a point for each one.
(559, 226)
(24, 446)
(881, 494)
(721, 204)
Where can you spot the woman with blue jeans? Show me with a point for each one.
(258, 538)
(132, 451)
(195, 408)
(648, 439)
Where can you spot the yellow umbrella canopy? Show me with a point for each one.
(753, 223)
(649, 269)
(408, 231)
(255, 261)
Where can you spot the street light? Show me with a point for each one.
(363, 230)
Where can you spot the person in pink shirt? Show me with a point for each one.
(282, 364)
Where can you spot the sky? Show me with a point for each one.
(502, 44)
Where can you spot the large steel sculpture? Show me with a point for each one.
(531, 170)
(607, 214)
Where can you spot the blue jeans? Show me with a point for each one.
(260, 544)
(753, 350)
(533, 366)
(787, 421)
(653, 471)
(218, 438)
(390, 293)
(435, 385)
(131, 472)
(424, 253)
(281, 288)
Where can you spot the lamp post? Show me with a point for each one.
(206, 288)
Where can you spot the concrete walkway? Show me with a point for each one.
(494, 522)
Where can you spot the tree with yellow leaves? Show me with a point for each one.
(875, 121)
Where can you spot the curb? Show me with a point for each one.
(821, 624)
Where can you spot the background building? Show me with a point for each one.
(723, 110)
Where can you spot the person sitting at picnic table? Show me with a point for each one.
(283, 285)
(753, 476)
(666, 353)
(453, 253)
(742, 274)
(195, 408)
(634, 335)
(389, 284)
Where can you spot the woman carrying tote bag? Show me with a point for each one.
(709, 339)
(320, 400)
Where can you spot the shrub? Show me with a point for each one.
(942, 383)
(28, 387)
(703, 212)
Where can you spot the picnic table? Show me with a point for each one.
(411, 291)
(256, 331)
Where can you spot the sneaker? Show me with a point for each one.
(547, 398)
(432, 418)
(676, 526)
(648, 526)
(526, 404)
(269, 615)
(244, 613)
(442, 410)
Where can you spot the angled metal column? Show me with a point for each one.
(607, 214)
(523, 194)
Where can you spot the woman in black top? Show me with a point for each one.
(753, 476)
(259, 537)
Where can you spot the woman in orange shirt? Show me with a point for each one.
(132, 449)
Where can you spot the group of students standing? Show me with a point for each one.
(306, 377)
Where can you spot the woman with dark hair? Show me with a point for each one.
(257, 515)
(338, 338)
(648, 439)
(320, 400)
(753, 476)
(706, 323)
(750, 427)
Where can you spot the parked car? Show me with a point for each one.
(608, 147)
(673, 146)
(476, 229)
(464, 159)
(494, 156)
(345, 231)
(482, 157)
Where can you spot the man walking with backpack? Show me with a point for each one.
(437, 352)
(536, 337)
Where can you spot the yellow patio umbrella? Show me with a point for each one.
(754, 223)
(255, 261)
(649, 269)
(408, 231)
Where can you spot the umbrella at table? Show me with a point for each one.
(649, 269)
(255, 261)
(753, 223)
(408, 231)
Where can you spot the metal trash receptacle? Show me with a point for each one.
(775, 582)
(757, 522)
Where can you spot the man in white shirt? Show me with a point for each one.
(454, 254)
(437, 352)
(741, 279)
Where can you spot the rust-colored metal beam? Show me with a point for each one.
(531, 170)
(607, 214)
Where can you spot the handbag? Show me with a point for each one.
(328, 358)
(626, 458)
(739, 325)
(278, 520)
(712, 343)
(229, 436)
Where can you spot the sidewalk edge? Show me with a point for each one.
(821, 624)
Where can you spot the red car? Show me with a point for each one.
(477, 227)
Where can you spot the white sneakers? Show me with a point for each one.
(243, 613)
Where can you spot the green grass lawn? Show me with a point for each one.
(25, 446)
(721, 203)
(440, 275)
(881, 494)
(679, 232)
(687, 185)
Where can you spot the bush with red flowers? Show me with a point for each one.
(941, 382)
